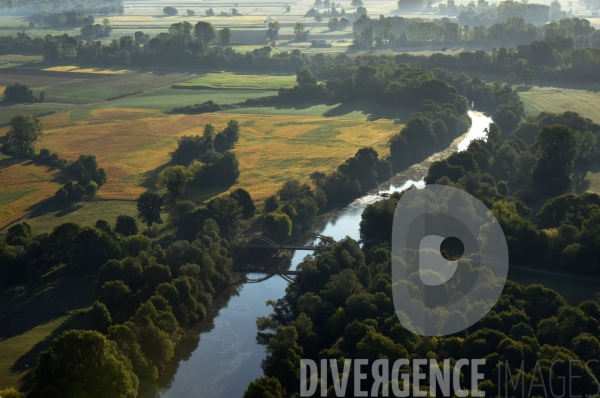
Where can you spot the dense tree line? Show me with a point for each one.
(146, 297)
(487, 14)
(510, 170)
(72, 18)
(187, 45)
(340, 306)
(551, 59)
(512, 31)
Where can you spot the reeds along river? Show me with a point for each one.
(227, 357)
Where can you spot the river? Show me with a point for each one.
(228, 358)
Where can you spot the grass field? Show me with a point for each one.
(133, 144)
(168, 98)
(23, 185)
(539, 99)
(31, 316)
(574, 291)
(238, 81)
(85, 213)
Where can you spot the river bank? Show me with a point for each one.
(228, 358)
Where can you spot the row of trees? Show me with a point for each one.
(25, 131)
(512, 31)
(556, 58)
(487, 14)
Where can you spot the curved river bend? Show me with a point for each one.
(228, 358)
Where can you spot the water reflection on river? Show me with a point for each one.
(227, 358)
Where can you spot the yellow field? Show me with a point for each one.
(558, 100)
(2, 88)
(76, 69)
(133, 144)
(23, 185)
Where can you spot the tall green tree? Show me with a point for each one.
(126, 225)
(205, 32)
(225, 37)
(175, 180)
(83, 363)
(149, 205)
(273, 30)
(24, 132)
(558, 147)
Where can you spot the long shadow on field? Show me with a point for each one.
(151, 177)
(5, 163)
(27, 306)
(28, 361)
(52, 206)
(373, 111)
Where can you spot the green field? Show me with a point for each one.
(574, 291)
(31, 316)
(85, 213)
(169, 98)
(558, 100)
(239, 81)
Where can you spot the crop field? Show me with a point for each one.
(23, 185)
(133, 145)
(12, 60)
(37, 109)
(76, 69)
(239, 81)
(559, 100)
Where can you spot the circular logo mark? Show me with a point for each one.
(450, 260)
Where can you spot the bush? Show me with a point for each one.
(99, 318)
(278, 225)
(19, 93)
(11, 393)
(91, 189)
(126, 225)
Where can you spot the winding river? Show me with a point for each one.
(228, 358)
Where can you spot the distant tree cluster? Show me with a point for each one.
(72, 18)
(205, 107)
(170, 11)
(22, 93)
(72, 191)
(210, 162)
(510, 31)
